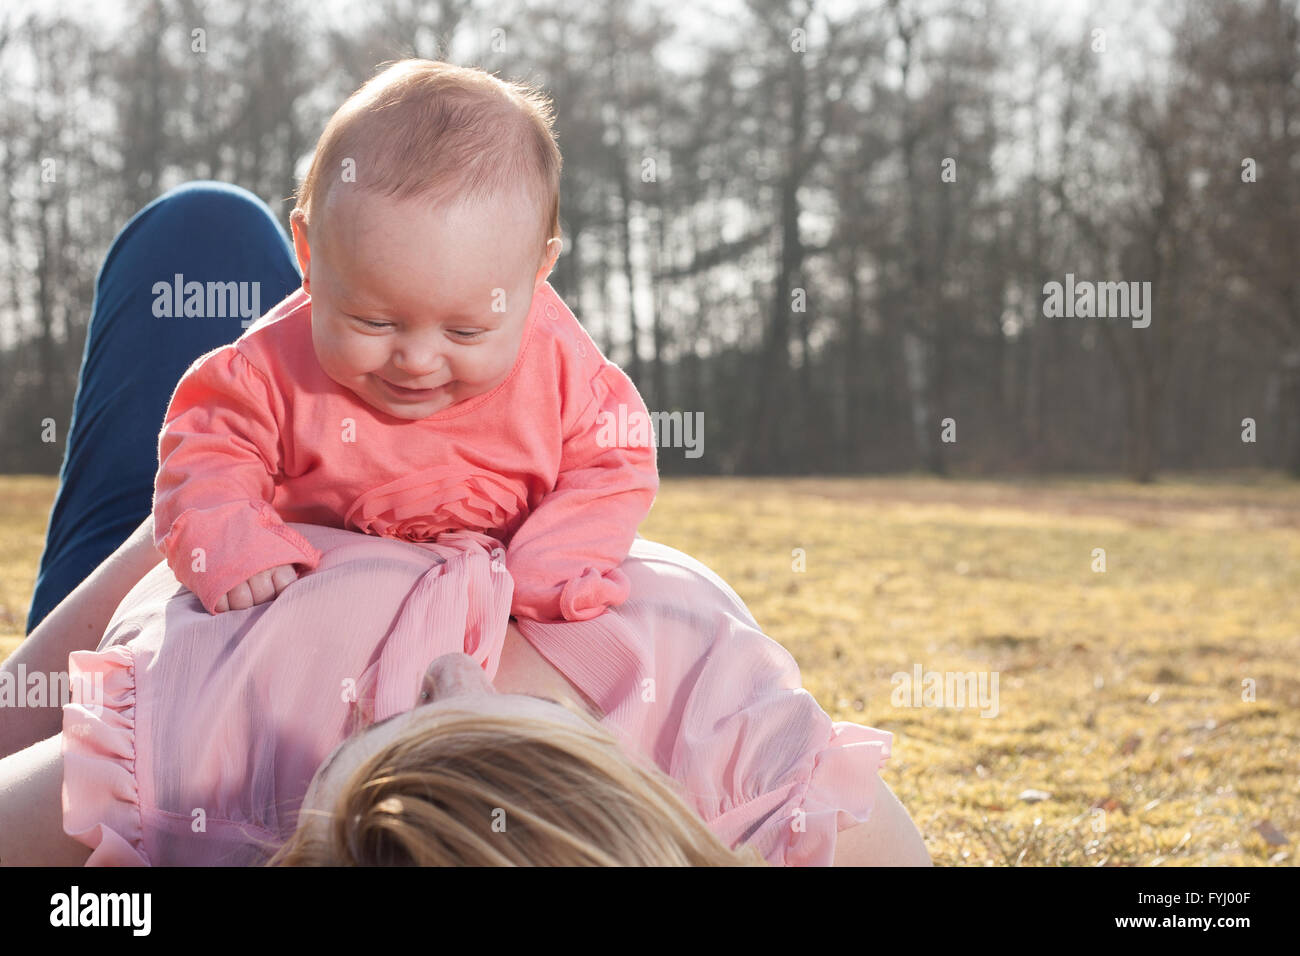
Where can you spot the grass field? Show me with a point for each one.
(1120, 693)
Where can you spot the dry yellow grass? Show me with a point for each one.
(25, 502)
(1120, 693)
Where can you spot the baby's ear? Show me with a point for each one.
(301, 249)
(553, 247)
(298, 220)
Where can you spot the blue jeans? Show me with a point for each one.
(206, 232)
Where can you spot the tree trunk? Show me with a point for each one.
(1290, 412)
(621, 178)
(659, 334)
(853, 401)
(769, 450)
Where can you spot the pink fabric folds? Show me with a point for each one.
(101, 802)
(208, 729)
(799, 824)
(473, 501)
(467, 597)
(685, 676)
(211, 727)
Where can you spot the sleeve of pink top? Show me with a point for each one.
(218, 453)
(833, 786)
(764, 763)
(565, 558)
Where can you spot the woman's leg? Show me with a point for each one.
(31, 809)
(204, 232)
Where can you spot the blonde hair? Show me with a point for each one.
(483, 790)
(448, 133)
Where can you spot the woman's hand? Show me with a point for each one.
(260, 588)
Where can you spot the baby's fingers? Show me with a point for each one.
(283, 576)
(262, 587)
(241, 598)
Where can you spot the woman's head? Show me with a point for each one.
(475, 778)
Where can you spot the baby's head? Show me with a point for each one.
(426, 223)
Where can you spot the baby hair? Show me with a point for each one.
(451, 134)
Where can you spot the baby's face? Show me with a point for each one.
(417, 309)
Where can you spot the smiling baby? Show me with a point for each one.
(426, 378)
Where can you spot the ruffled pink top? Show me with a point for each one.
(191, 738)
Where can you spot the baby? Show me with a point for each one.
(425, 378)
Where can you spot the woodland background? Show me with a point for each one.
(721, 158)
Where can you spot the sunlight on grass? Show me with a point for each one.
(1120, 693)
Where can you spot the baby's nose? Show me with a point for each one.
(419, 360)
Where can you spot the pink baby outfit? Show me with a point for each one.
(210, 728)
(258, 435)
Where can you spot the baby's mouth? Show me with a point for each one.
(412, 393)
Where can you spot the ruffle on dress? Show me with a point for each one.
(101, 802)
(833, 789)
(422, 506)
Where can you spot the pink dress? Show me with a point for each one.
(257, 435)
(202, 744)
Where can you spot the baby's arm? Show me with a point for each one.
(565, 558)
(219, 453)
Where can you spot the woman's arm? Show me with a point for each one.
(76, 624)
(887, 838)
(31, 809)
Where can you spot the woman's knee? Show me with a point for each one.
(206, 207)
(205, 232)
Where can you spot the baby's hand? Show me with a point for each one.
(260, 588)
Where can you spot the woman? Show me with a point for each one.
(203, 747)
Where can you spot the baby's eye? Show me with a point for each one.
(371, 324)
(466, 335)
